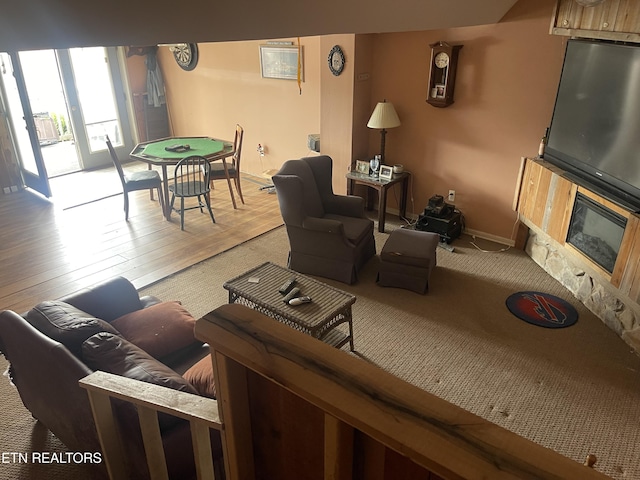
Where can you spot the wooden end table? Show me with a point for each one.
(330, 307)
(381, 185)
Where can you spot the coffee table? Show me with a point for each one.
(330, 307)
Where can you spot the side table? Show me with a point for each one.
(382, 186)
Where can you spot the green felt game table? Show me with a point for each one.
(154, 153)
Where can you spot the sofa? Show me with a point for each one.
(107, 327)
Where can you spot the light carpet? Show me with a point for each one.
(574, 390)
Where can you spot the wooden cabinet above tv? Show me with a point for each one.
(609, 20)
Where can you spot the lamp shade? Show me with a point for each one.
(384, 116)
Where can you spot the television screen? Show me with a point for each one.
(595, 129)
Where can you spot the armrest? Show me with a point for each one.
(323, 225)
(149, 301)
(107, 300)
(347, 205)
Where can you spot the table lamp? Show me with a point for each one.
(384, 116)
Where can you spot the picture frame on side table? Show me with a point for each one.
(386, 172)
(362, 167)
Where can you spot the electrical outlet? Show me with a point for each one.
(14, 188)
(7, 189)
(452, 195)
(260, 150)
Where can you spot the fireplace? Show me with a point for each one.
(596, 231)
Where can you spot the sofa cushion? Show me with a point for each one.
(113, 354)
(66, 324)
(160, 329)
(200, 375)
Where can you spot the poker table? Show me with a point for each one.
(155, 153)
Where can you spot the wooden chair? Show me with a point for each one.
(143, 180)
(191, 179)
(217, 168)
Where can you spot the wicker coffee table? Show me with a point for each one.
(330, 307)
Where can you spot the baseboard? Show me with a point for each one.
(488, 236)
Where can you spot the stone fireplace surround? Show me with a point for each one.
(619, 313)
(544, 199)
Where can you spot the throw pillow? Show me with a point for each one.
(112, 354)
(200, 375)
(66, 324)
(160, 329)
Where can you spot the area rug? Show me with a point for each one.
(542, 309)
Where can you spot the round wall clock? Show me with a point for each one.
(336, 60)
(186, 55)
(441, 60)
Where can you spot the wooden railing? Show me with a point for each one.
(291, 408)
(201, 412)
(263, 368)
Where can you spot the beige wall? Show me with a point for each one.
(505, 91)
(226, 88)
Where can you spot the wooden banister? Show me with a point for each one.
(201, 412)
(358, 400)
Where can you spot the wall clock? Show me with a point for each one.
(336, 60)
(186, 55)
(442, 73)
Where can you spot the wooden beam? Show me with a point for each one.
(180, 404)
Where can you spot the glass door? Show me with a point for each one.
(97, 104)
(22, 124)
(63, 104)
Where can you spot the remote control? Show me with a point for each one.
(287, 286)
(292, 294)
(299, 300)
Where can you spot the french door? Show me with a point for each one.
(71, 97)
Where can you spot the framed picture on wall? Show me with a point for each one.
(281, 61)
(386, 172)
(362, 167)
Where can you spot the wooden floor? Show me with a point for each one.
(47, 252)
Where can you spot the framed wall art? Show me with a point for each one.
(281, 61)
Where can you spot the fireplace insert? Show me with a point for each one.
(596, 231)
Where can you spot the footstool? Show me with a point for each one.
(407, 258)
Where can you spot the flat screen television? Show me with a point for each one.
(595, 128)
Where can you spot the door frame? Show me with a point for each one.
(37, 181)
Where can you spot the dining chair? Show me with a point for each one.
(191, 179)
(142, 180)
(217, 168)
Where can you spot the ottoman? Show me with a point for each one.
(407, 259)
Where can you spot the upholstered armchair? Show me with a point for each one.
(329, 235)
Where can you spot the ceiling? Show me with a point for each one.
(38, 24)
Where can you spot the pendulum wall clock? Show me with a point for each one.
(442, 73)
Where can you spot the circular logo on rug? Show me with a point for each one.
(542, 309)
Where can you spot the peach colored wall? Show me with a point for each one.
(336, 109)
(505, 91)
(226, 88)
(507, 79)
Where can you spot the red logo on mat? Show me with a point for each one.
(546, 309)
